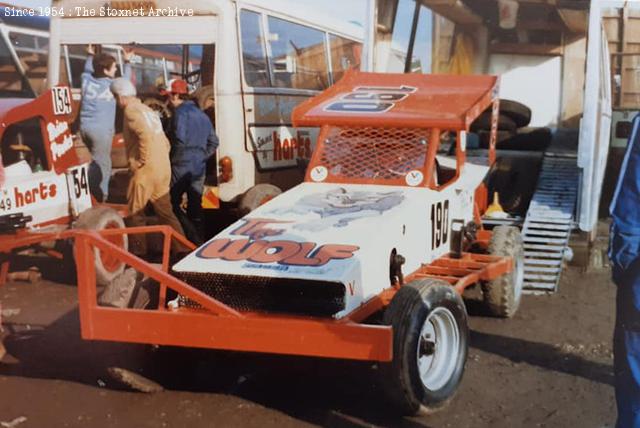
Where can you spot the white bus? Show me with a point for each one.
(256, 60)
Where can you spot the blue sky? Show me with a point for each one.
(352, 10)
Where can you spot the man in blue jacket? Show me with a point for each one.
(193, 141)
(98, 115)
(624, 252)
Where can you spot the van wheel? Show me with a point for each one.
(100, 218)
(430, 343)
(502, 295)
(256, 196)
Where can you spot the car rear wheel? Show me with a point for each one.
(430, 343)
(502, 295)
(107, 267)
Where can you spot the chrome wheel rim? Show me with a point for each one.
(438, 349)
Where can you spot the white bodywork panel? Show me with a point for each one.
(281, 146)
(154, 30)
(595, 127)
(44, 195)
(341, 233)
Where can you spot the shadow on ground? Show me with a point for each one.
(542, 355)
(319, 391)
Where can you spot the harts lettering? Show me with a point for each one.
(41, 192)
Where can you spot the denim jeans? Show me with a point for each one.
(99, 141)
(185, 182)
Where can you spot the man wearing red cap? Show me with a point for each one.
(193, 141)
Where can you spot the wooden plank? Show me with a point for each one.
(525, 49)
(576, 21)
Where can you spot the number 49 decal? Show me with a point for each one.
(439, 224)
(371, 99)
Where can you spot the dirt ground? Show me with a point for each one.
(550, 366)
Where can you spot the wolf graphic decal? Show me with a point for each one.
(339, 207)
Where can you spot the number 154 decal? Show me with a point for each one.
(61, 101)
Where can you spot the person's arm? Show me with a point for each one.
(140, 126)
(179, 131)
(212, 143)
(88, 69)
(127, 72)
(88, 64)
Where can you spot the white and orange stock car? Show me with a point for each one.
(381, 226)
(46, 187)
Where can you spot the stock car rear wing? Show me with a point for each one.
(401, 101)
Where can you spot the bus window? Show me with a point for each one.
(254, 58)
(423, 44)
(298, 55)
(404, 44)
(345, 54)
(32, 52)
(401, 35)
(77, 58)
(12, 82)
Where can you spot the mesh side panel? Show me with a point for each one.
(254, 293)
(374, 153)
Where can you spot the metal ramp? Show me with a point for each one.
(549, 222)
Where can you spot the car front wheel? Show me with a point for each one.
(430, 343)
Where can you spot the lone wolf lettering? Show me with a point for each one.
(258, 250)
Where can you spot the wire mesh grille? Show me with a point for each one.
(254, 293)
(374, 153)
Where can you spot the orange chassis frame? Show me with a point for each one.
(218, 326)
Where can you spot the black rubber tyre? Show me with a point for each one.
(502, 295)
(100, 218)
(483, 123)
(415, 313)
(537, 139)
(256, 196)
(518, 112)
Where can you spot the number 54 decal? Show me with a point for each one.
(439, 224)
(80, 182)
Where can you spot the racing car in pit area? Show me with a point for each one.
(383, 230)
(46, 187)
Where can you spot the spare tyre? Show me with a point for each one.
(537, 140)
(483, 123)
(518, 112)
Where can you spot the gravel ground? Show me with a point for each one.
(549, 366)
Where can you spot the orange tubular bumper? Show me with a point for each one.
(215, 326)
(470, 269)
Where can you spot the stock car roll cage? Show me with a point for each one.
(215, 325)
